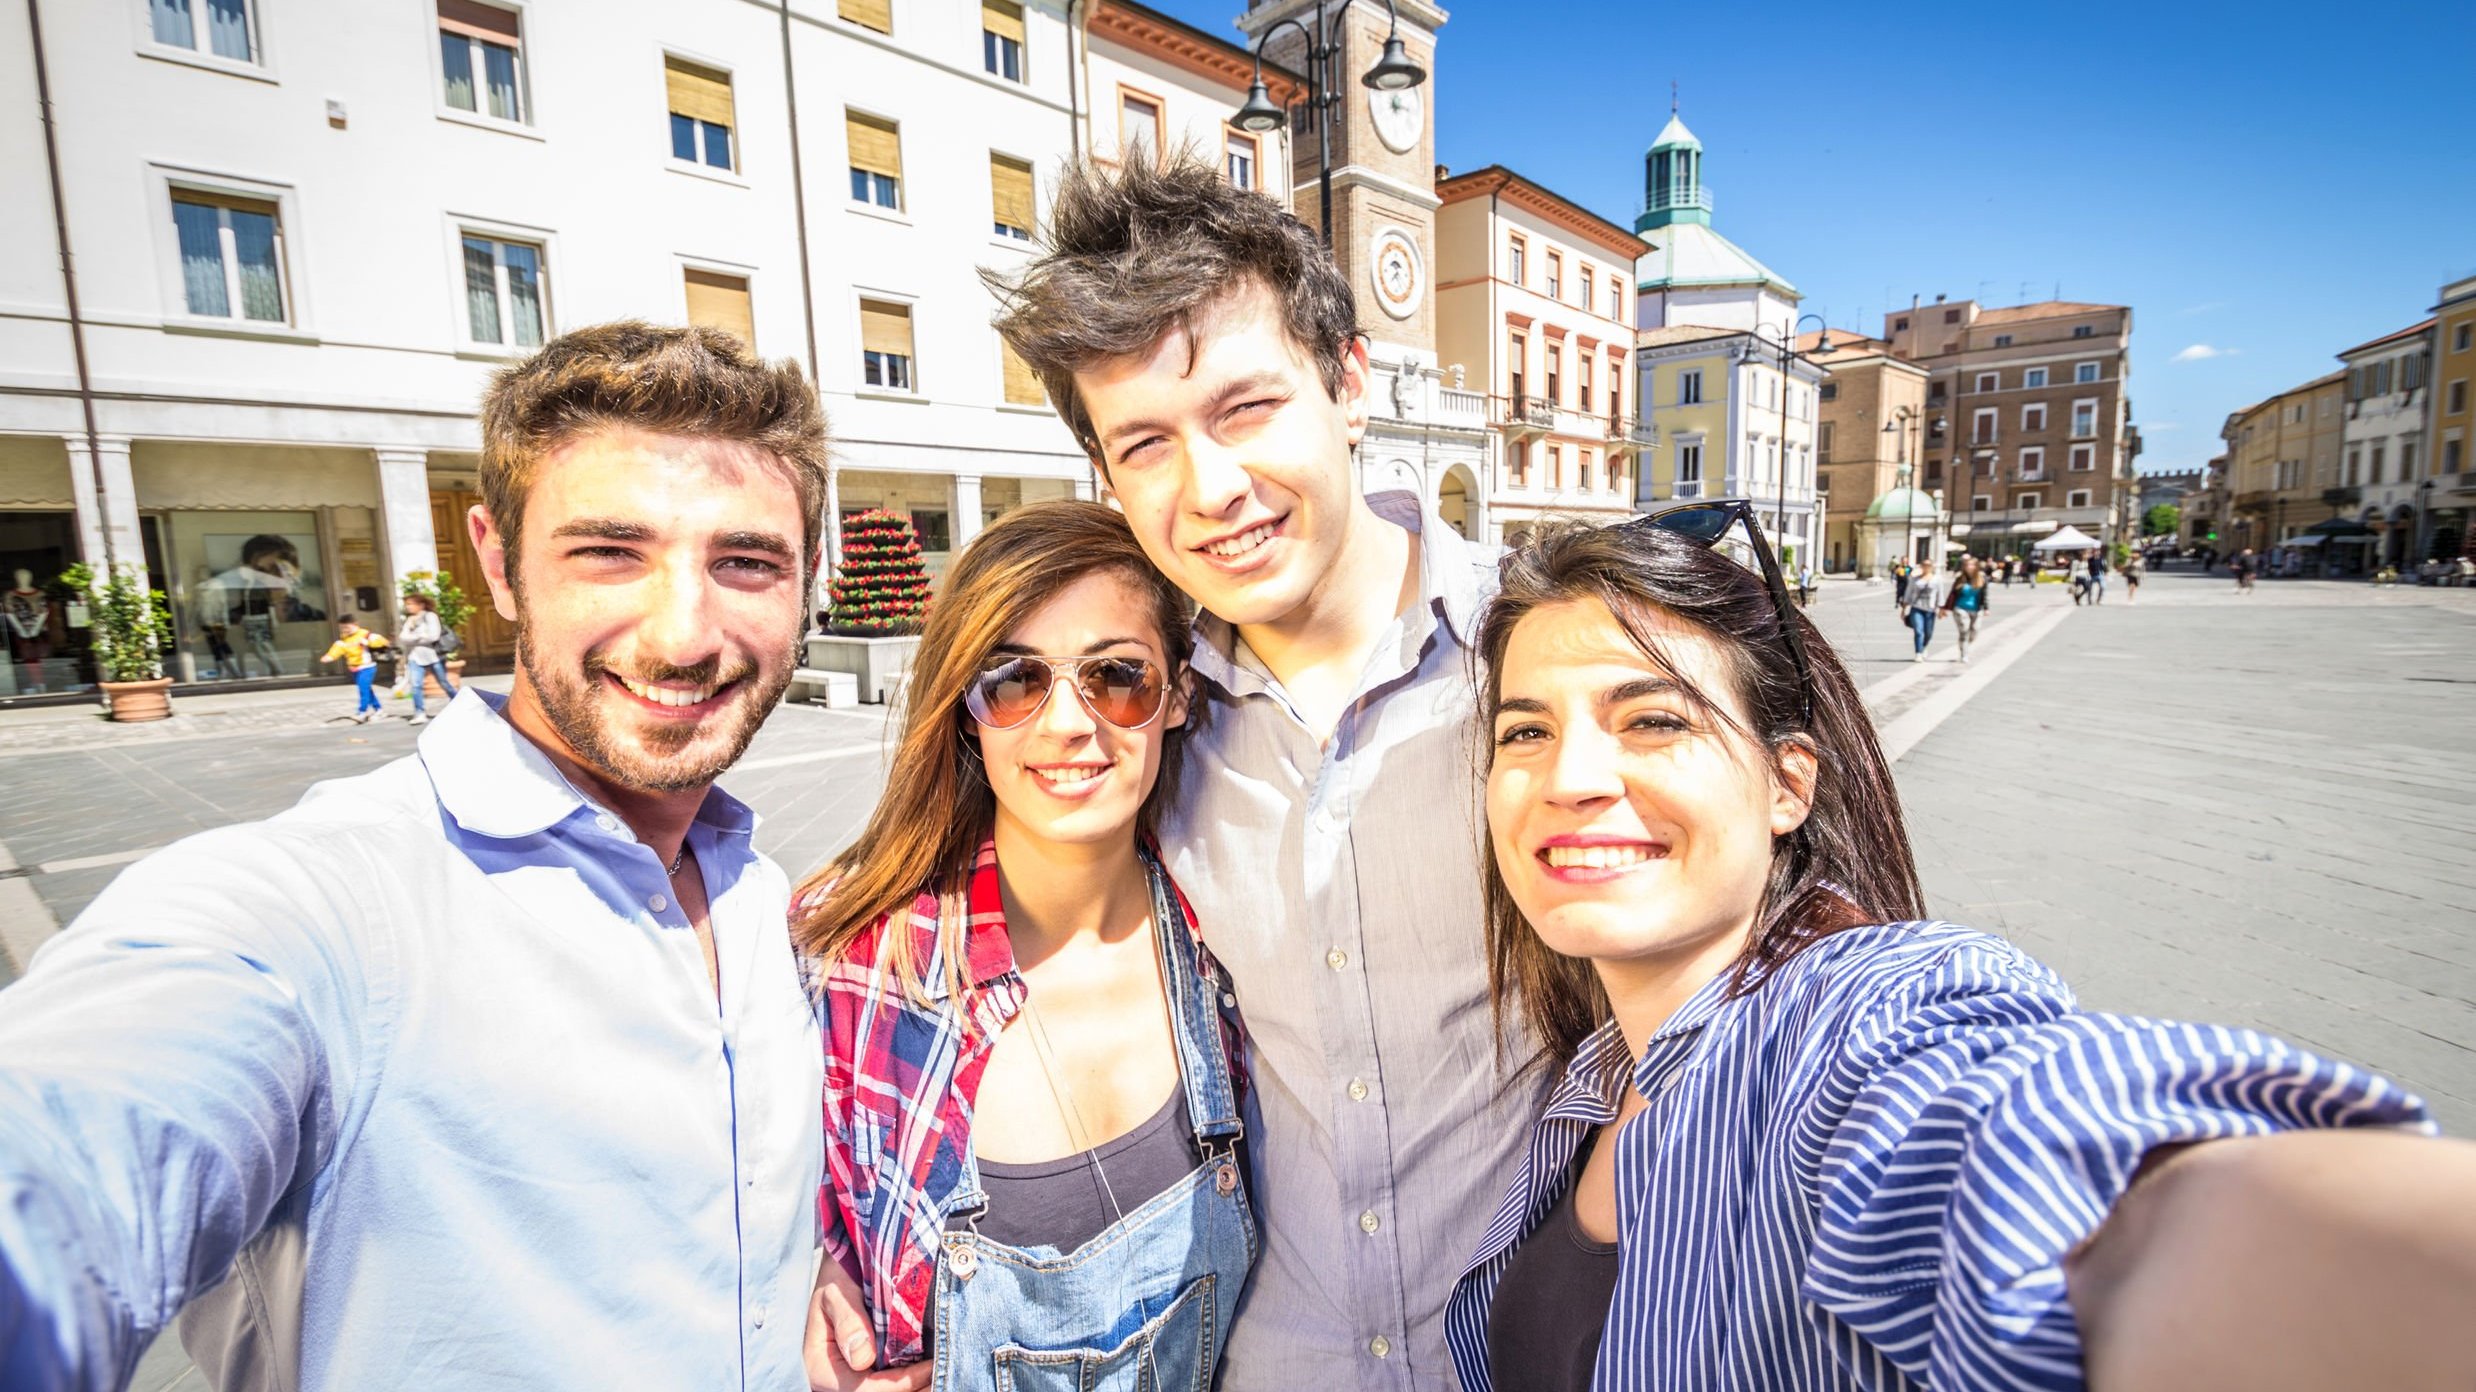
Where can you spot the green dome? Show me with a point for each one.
(1901, 504)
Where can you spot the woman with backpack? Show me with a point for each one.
(426, 641)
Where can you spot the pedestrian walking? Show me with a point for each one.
(1918, 601)
(2132, 580)
(1805, 586)
(1966, 602)
(356, 647)
(2242, 566)
(425, 641)
(1901, 572)
(2097, 577)
(2010, 564)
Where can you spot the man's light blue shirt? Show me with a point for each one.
(423, 1084)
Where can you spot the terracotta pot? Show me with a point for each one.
(139, 700)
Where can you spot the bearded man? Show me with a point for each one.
(490, 1068)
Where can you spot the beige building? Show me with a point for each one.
(2283, 467)
(1531, 301)
(1871, 408)
(2029, 421)
(2448, 489)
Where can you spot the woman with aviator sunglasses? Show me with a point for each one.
(1031, 1098)
(1804, 1139)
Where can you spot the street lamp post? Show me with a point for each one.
(1898, 426)
(1784, 346)
(1392, 72)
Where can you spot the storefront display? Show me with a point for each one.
(255, 603)
(42, 635)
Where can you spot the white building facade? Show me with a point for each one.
(2382, 442)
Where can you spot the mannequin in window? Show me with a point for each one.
(26, 620)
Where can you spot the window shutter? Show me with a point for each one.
(697, 92)
(1010, 191)
(885, 328)
(717, 301)
(1004, 18)
(874, 146)
(868, 14)
(476, 20)
(1022, 384)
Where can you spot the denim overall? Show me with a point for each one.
(1145, 1304)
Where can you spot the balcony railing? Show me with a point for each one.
(1660, 200)
(1687, 489)
(1525, 415)
(1627, 432)
(1455, 406)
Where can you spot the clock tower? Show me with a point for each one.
(1383, 161)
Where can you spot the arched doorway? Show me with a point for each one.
(1453, 501)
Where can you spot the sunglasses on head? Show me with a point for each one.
(1128, 692)
(1706, 523)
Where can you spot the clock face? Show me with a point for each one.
(1394, 266)
(1398, 116)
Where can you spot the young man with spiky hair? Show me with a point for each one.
(489, 1068)
(1204, 349)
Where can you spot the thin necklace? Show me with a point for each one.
(679, 859)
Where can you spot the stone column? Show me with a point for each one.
(118, 507)
(404, 517)
(965, 521)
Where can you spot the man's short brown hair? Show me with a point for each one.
(640, 376)
(1136, 253)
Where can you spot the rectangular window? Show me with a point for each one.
(1010, 197)
(232, 256)
(1239, 160)
(2459, 336)
(1616, 299)
(481, 57)
(503, 292)
(1590, 289)
(2450, 456)
(885, 347)
(876, 159)
(2033, 416)
(2380, 448)
(2458, 396)
(1689, 387)
(2033, 377)
(1556, 374)
(1582, 380)
(1555, 467)
(2078, 497)
(1516, 269)
(1021, 385)
(1989, 381)
(2033, 462)
(935, 527)
(1555, 276)
(1826, 442)
(2084, 419)
(1829, 391)
(1980, 502)
(718, 301)
(2031, 501)
(2003, 340)
(701, 113)
(1984, 426)
(2081, 331)
(1139, 126)
(1586, 471)
(2084, 372)
(2355, 466)
(2412, 372)
(868, 14)
(1517, 358)
(219, 27)
(1001, 39)
(2084, 456)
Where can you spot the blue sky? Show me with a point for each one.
(2264, 184)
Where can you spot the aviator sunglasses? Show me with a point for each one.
(1128, 692)
(1707, 523)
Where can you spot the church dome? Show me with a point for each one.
(1903, 504)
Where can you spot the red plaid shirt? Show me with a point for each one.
(901, 1079)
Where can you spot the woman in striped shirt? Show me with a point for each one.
(1804, 1139)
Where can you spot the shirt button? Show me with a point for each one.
(1368, 1223)
(1336, 959)
(1379, 1346)
(606, 824)
(1358, 1090)
(658, 903)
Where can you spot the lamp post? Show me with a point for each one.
(1899, 425)
(1392, 72)
(1784, 347)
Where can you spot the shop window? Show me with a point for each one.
(232, 256)
(702, 114)
(876, 159)
(249, 594)
(936, 528)
(41, 651)
(481, 60)
(221, 28)
(503, 292)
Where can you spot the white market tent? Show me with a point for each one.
(2068, 539)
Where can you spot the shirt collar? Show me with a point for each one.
(1449, 586)
(495, 782)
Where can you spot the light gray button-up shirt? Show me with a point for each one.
(1338, 883)
(421, 1084)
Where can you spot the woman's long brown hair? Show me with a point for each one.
(937, 807)
(1848, 864)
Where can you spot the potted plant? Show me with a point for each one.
(448, 602)
(879, 598)
(131, 629)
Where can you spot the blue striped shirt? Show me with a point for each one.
(1867, 1172)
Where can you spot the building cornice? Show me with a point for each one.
(1181, 45)
(1543, 202)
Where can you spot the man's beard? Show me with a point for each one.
(661, 759)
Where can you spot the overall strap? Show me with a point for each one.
(1195, 1015)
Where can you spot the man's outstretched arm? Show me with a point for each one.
(170, 1067)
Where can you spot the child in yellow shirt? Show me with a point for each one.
(355, 649)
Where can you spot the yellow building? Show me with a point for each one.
(2448, 491)
(2283, 466)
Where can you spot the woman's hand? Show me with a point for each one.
(841, 1352)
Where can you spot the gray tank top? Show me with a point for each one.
(1061, 1203)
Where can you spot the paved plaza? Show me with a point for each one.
(2258, 810)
